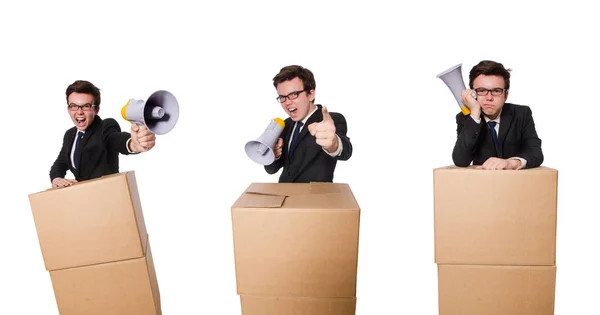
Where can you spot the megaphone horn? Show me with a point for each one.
(261, 149)
(454, 80)
(159, 113)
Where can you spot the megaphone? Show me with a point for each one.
(454, 80)
(261, 149)
(159, 113)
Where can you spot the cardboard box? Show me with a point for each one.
(495, 217)
(115, 288)
(92, 222)
(296, 248)
(496, 290)
(260, 305)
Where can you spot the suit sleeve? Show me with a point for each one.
(275, 166)
(113, 137)
(61, 166)
(341, 128)
(468, 132)
(531, 144)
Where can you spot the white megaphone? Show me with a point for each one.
(159, 113)
(261, 149)
(454, 80)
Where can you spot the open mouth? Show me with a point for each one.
(292, 110)
(80, 121)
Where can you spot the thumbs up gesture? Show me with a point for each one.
(324, 132)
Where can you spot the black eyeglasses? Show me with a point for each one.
(484, 91)
(84, 107)
(291, 96)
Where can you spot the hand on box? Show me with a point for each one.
(62, 182)
(324, 131)
(142, 139)
(495, 163)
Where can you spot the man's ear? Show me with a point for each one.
(311, 95)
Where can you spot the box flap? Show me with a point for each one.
(316, 195)
(253, 200)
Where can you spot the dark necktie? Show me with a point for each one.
(295, 137)
(492, 125)
(76, 153)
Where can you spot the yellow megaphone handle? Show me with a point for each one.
(465, 110)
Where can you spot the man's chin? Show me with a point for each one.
(490, 113)
(81, 127)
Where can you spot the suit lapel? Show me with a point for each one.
(316, 117)
(506, 119)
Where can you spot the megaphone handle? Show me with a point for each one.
(464, 109)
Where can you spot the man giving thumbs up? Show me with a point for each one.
(307, 154)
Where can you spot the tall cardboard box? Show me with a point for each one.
(95, 246)
(495, 240)
(296, 249)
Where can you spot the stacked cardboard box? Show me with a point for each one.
(95, 246)
(495, 240)
(296, 249)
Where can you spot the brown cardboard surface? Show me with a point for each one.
(91, 222)
(496, 290)
(495, 217)
(116, 288)
(259, 305)
(308, 247)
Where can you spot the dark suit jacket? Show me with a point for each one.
(309, 162)
(516, 138)
(99, 151)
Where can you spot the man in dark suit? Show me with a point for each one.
(496, 135)
(91, 148)
(313, 140)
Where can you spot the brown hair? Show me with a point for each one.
(488, 67)
(291, 72)
(84, 87)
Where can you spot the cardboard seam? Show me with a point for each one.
(299, 297)
(495, 265)
(101, 263)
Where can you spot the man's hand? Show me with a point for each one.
(142, 139)
(324, 131)
(278, 149)
(471, 103)
(495, 163)
(62, 182)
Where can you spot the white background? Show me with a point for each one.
(375, 62)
